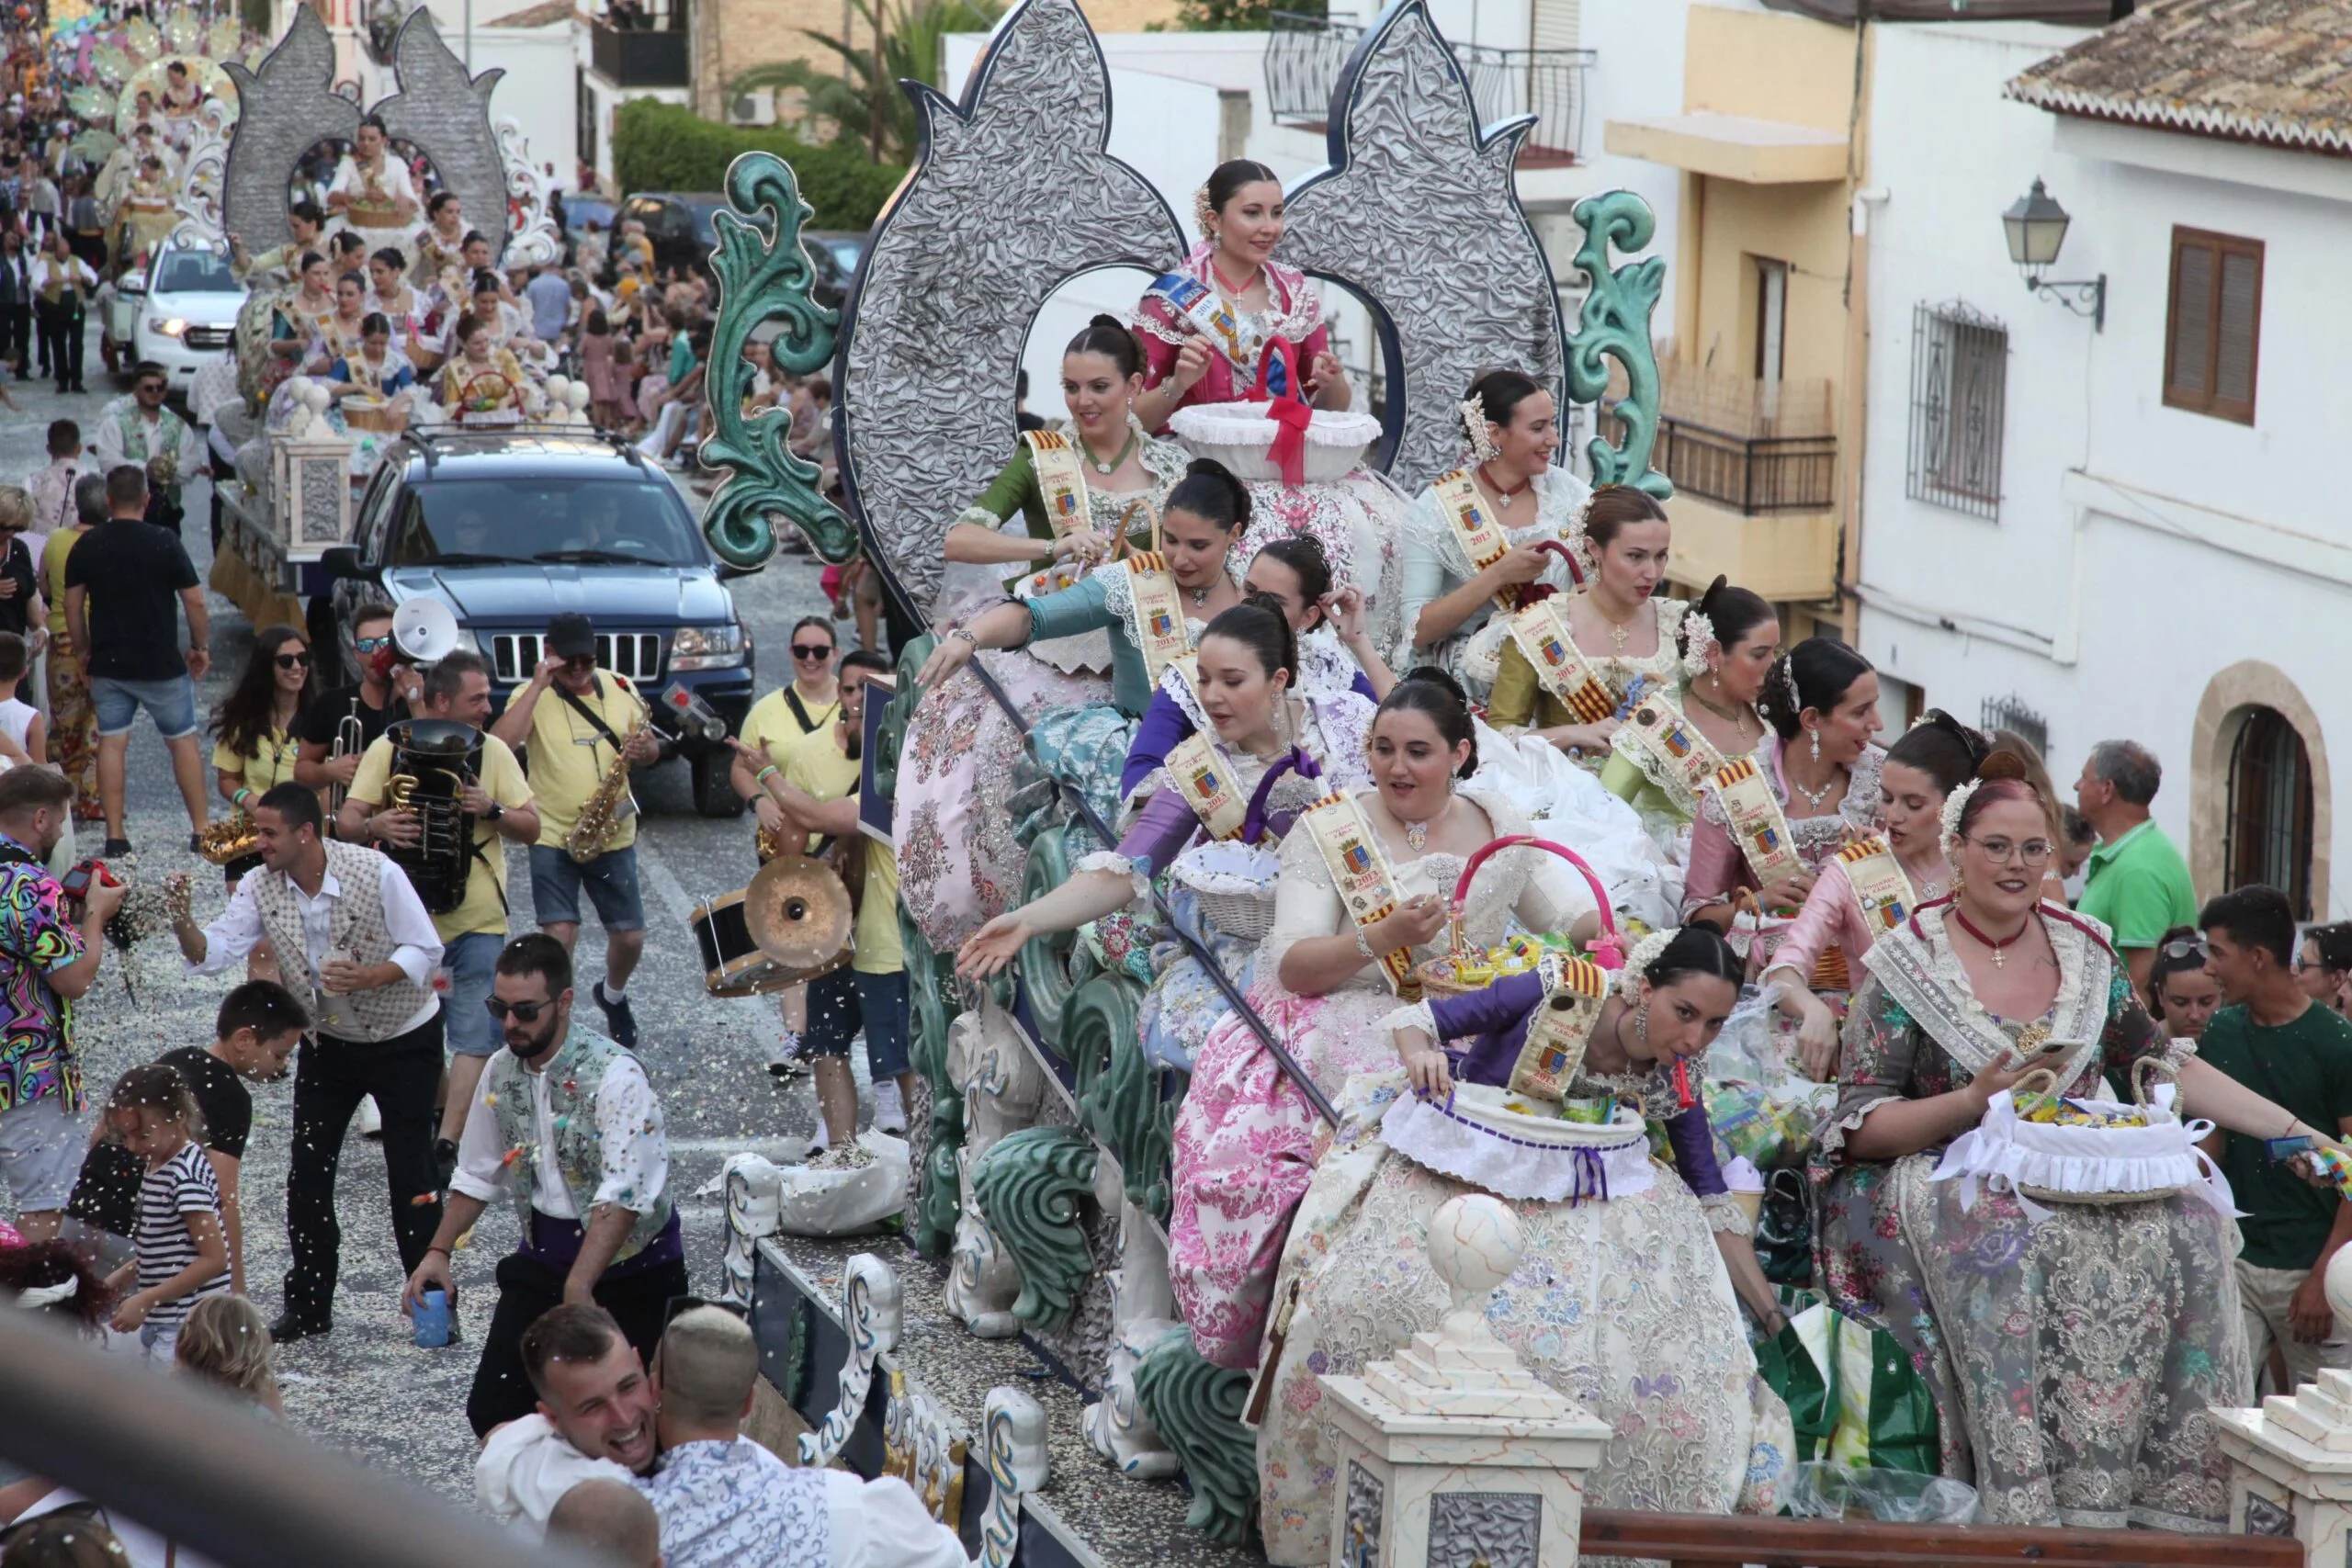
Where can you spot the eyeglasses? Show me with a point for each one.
(580, 660)
(154, 386)
(525, 1012)
(293, 662)
(372, 644)
(2033, 851)
(812, 650)
(2186, 947)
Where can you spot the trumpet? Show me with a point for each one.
(350, 740)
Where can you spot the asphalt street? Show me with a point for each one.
(366, 1388)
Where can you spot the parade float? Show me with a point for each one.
(1036, 1227)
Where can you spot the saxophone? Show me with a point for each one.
(603, 812)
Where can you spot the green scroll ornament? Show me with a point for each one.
(1197, 1408)
(763, 276)
(1044, 958)
(1616, 325)
(931, 1216)
(1032, 1187)
(1119, 1088)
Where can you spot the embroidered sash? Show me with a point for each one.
(1209, 786)
(1209, 315)
(1061, 478)
(1757, 825)
(1880, 887)
(1541, 630)
(1481, 537)
(1670, 750)
(1155, 613)
(1360, 871)
(1563, 1021)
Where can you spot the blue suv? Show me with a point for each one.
(507, 527)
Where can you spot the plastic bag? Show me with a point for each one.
(1820, 1489)
(1852, 1393)
(845, 1198)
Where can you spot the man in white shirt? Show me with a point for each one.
(139, 429)
(345, 921)
(565, 1125)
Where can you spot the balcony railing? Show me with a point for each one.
(1751, 474)
(643, 57)
(1304, 55)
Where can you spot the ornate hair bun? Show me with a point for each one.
(1646, 953)
(1477, 430)
(2001, 765)
(1699, 636)
(1202, 210)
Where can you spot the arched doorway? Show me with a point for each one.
(2269, 811)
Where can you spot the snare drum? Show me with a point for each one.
(733, 964)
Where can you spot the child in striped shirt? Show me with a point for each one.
(180, 1253)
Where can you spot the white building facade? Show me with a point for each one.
(2139, 531)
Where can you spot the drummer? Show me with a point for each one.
(498, 802)
(816, 786)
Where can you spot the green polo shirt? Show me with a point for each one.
(2139, 887)
(2305, 1066)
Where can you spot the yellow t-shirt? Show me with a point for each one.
(484, 906)
(770, 726)
(814, 763)
(271, 764)
(568, 758)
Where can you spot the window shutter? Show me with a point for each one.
(2192, 320)
(2234, 339)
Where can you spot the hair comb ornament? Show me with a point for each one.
(1476, 429)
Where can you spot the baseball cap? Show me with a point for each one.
(570, 635)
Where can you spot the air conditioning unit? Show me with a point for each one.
(755, 108)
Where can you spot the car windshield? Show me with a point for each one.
(701, 214)
(579, 213)
(546, 519)
(195, 271)
(846, 252)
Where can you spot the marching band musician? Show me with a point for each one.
(569, 745)
(343, 921)
(498, 802)
(386, 690)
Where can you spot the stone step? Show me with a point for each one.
(1087, 1515)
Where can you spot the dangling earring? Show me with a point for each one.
(1642, 1023)
(1816, 743)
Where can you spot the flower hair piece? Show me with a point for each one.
(1202, 212)
(1955, 805)
(1699, 634)
(1474, 430)
(1637, 963)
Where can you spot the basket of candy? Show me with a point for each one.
(2049, 1148)
(1523, 1147)
(1234, 879)
(1462, 969)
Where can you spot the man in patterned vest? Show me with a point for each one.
(344, 922)
(564, 1124)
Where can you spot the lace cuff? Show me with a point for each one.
(1144, 321)
(1137, 871)
(1725, 1216)
(1831, 1138)
(1415, 1016)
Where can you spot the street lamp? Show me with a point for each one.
(2036, 226)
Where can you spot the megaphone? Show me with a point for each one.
(424, 631)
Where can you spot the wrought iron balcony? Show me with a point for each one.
(653, 55)
(1751, 474)
(1304, 55)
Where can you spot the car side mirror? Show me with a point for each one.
(343, 563)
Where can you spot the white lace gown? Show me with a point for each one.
(1247, 1139)
(1433, 564)
(1622, 1303)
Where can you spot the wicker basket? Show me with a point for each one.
(374, 414)
(1235, 879)
(1240, 436)
(1439, 976)
(2101, 1165)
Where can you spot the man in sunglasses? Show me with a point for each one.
(346, 925)
(140, 430)
(565, 1125)
(386, 690)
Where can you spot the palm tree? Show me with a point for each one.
(908, 40)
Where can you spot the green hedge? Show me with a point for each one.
(659, 146)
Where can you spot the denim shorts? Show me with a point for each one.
(611, 880)
(42, 1144)
(843, 1002)
(171, 703)
(471, 961)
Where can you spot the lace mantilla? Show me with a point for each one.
(1324, 669)
(1921, 970)
(1294, 313)
(1817, 838)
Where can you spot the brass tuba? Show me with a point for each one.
(433, 761)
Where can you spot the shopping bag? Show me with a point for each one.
(1852, 1392)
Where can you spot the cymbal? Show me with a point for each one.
(797, 911)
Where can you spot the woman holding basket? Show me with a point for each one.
(2072, 1340)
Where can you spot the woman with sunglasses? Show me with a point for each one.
(255, 749)
(2324, 965)
(2071, 1347)
(2182, 992)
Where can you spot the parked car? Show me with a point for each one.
(507, 526)
(835, 255)
(578, 211)
(179, 310)
(679, 225)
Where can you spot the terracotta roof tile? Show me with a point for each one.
(2276, 72)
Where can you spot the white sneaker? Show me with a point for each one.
(371, 1121)
(889, 1109)
(820, 1140)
